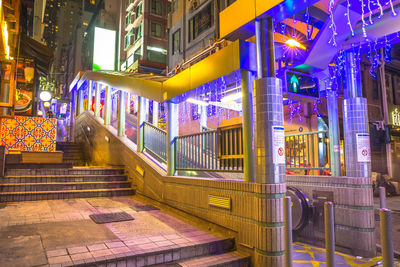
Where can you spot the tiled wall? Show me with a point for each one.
(29, 133)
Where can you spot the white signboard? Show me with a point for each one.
(278, 144)
(363, 147)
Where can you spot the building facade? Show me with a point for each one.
(144, 35)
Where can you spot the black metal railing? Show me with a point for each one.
(155, 141)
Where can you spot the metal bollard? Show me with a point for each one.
(329, 234)
(288, 232)
(382, 197)
(386, 237)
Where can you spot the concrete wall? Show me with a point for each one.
(354, 211)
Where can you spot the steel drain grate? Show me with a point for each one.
(111, 217)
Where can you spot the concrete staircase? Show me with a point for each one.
(72, 153)
(63, 183)
(201, 251)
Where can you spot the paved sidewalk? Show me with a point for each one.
(55, 232)
(60, 231)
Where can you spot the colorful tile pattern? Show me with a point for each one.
(29, 133)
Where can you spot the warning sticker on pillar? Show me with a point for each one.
(278, 144)
(363, 147)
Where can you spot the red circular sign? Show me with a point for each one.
(280, 151)
(364, 152)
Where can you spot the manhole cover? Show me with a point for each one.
(111, 217)
(143, 208)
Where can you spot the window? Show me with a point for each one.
(176, 42)
(200, 22)
(156, 7)
(156, 56)
(174, 5)
(139, 9)
(137, 54)
(139, 32)
(128, 19)
(156, 29)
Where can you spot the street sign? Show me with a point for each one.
(301, 84)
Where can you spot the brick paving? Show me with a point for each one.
(158, 241)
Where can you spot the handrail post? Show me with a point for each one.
(172, 133)
(90, 95)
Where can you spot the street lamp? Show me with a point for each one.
(45, 96)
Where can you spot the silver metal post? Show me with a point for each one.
(141, 118)
(97, 90)
(382, 197)
(329, 234)
(386, 237)
(107, 106)
(288, 232)
(121, 114)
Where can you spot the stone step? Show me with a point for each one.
(47, 195)
(151, 254)
(34, 187)
(25, 166)
(63, 178)
(65, 171)
(230, 259)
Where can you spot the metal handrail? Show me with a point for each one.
(307, 133)
(155, 142)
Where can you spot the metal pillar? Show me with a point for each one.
(329, 234)
(172, 132)
(288, 232)
(90, 95)
(121, 114)
(269, 145)
(107, 106)
(155, 113)
(334, 135)
(268, 111)
(141, 118)
(248, 127)
(382, 77)
(355, 123)
(386, 237)
(97, 91)
(80, 102)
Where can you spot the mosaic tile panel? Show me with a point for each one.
(29, 133)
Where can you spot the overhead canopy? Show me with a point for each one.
(237, 55)
(43, 55)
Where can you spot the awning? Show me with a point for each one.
(43, 55)
(237, 55)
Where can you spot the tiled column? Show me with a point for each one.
(269, 148)
(248, 126)
(72, 116)
(155, 113)
(355, 123)
(141, 118)
(121, 113)
(90, 95)
(334, 136)
(172, 132)
(97, 91)
(107, 106)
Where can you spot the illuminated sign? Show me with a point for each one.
(396, 117)
(104, 49)
(301, 84)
